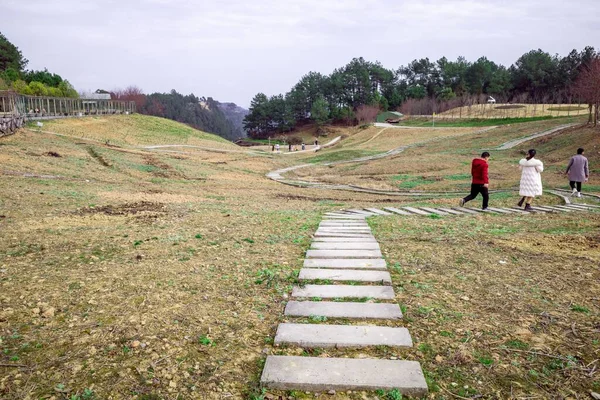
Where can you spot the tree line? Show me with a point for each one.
(342, 96)
(202, 113)
(15, 76)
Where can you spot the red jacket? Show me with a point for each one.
(479, 171)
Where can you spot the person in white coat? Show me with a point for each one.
(531, 179)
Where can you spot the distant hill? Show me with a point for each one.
(234, 114)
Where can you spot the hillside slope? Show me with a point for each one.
(136, 130)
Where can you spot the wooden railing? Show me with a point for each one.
(35, 107)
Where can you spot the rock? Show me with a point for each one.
(595, 395)
(465, 298)
(49, 312)
(135, 343)
(331, 392)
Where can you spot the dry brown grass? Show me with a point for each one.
(164, 275)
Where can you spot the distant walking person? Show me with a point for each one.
(303, 146)
(531, 179)
(290, 147)
(277, 147)
(578, 172)
(480, 181)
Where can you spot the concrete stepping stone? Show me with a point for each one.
(434, 211)
(467, 210)
(517, 210)
(346, 263)
(500, 210)
(343, 240)
(345, 275)
(397, 211)
(343, 254)
(553, 209)
(378, 211)
(318, 374)
(567, 208)
(352, 217)
(546, 209)
(522, 210)
(579, 206)
(361, 212)
(343, 234)
(416, 211)
(451, 211)
(344, 291)
(320, 335)
(334, 309)
(326, 222)
(344, 228)
(345, 246)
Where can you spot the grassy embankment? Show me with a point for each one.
(134, 274)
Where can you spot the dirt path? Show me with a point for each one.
(516, 142)
(277, 175)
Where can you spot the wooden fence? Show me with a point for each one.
(35, 108)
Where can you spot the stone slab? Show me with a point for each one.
(501, 210)
(416, 211)
(346, 263)
(343, 240)
(521, 210)
(567, 208)
(323, 374)
(327, 222)
(344, 228)
(434, 211)
(397, 211)
(346, 216)
(579, 206)
(344, 291)
(343, 254)
(345, 275)
(344, 235)
(467, 210)
(335, 309)
(516, 210)
(378, 211)
(360, 212)
(320, 335)
(345, 246)
(555, 209)
(546, 209)
(451, 211)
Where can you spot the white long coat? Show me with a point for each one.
(531, 177)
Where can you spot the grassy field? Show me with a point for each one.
(516, 111)
(134, 274)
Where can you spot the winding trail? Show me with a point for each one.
(277, 175)
(510, 144)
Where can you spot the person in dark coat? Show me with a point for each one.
(480, 181)
(578, 171)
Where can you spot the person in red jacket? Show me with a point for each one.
(480, 181)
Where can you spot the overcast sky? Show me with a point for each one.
(232, 49)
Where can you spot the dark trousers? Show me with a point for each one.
(573, 183)
(477, 188)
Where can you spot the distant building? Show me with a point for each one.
(97, 96)
(390, 117)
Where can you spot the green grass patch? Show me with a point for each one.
(457, 177)
(341, 155)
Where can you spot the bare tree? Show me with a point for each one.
(587, 87)
(130, 93)
(365, 114)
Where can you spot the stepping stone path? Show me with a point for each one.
(344, 250)
(328, 231)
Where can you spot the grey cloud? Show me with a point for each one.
(232, 49)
